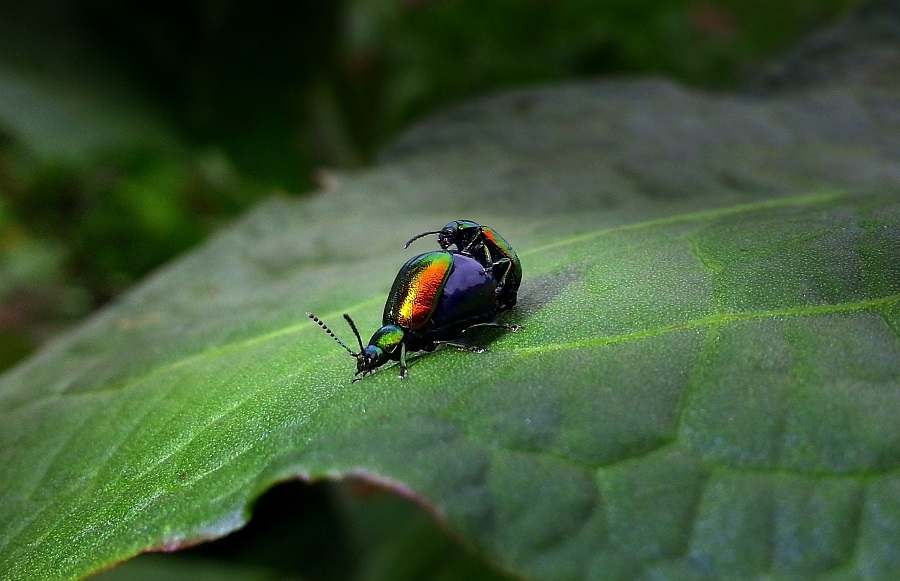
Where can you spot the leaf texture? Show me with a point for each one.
(706, 383)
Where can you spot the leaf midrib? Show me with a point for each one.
(801, 200)
(715, 319)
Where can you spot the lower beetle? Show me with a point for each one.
(487, 246)
(436, 297)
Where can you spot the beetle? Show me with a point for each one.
(436, 297)
(487, 246)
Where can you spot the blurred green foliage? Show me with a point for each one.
(129, 132)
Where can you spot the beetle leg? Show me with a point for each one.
(503, 262)
(512, 328)
(489, 269)
(402, 360)
(461, 347)
(479, 237)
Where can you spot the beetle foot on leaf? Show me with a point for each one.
(472, 349)
(461, 347)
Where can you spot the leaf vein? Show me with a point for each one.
(716, 319)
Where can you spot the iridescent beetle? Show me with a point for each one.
(487, 247)
(436, 297)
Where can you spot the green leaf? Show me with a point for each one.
(706, 383)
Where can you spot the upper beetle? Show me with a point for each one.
(487, 246)
(435, 298)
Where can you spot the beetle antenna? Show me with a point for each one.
(355, 332)
(333, 336)
(417, 236)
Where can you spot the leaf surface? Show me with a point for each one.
(706, 383)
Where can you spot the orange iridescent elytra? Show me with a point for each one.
(414, 296)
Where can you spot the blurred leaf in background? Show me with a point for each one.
(129, 132)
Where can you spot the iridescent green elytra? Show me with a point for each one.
(413, 298)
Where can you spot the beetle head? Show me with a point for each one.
(369, 359)
(459, 232)
(463, 233)
(381, 348)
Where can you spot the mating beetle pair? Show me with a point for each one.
(437, 296)
(485, 245)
